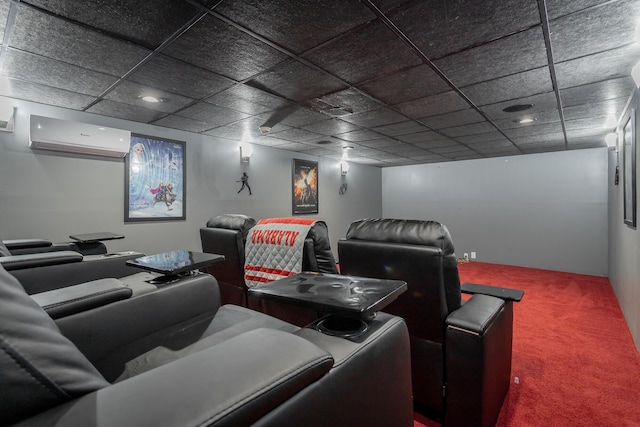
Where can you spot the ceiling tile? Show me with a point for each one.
(355, 58)
(295, 134)
(248, 100)
(296, 81)
(379, 117)
(331, 127)
(4, 12)
(593, 30)
(55, 38)
(244, 129)
(381, 143)
(223, 49)
(131, 93)
(351, 100)
(124, 111)
(540, 102)
(534, 130)
(482, 137)
(493, 146)
(548, 138)
(439, 28)
(496, 59)
(515, 86)
(450, 149)
(471, 129)
(183, 123)
(456, 118)
(300, 27)
(359, 135)
(593, 68)
(540, 117)
(49, 72)
(421, 137)
(596, 125)
(167, 73)
(44, 94)
(556, 8)
(416, 82)
(402, 128)
(296, 116)
(428, 145)
(294, 146)
(594, 92)
(543, 147)
(211, 114)
(433, 105)
(138, 21)
(603, 108)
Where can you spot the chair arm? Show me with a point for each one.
(21, 262)
(506, 294)
(233, 383)
(477, 314)
(85, 296)
(26, 243)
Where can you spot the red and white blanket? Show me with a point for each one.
(274, 249)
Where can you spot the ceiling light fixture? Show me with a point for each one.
(527, 120)
(611, 139)
(517, 108)
(151, 99)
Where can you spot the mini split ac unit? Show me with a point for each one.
(47, 133)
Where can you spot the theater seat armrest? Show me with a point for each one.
(19, 262)
(506, 294)
(477, 314)
(85, 296)
(233, 383)
(26, 243)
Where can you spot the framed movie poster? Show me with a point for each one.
(305, 187)
(629, 159)
(155, 182)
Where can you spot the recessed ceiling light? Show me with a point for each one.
(324, 142)
(151, 99)
(348, 147)
(516, 108)
(527, 120)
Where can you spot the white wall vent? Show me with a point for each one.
(47, 133)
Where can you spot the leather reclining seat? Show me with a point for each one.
(130, 353)
(57, 268)
(460, 353)
(226, 234)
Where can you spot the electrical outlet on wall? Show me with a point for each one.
(473, 255)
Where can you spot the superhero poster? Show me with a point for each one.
(155, 186)
(305, 187)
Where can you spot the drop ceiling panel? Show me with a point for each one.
(296, 81)
(600, 91)
(296, 26)
(331, 127)
(495, 59)
(58, 39)
(439, 28)
(541, 102)
(533, 129)
(211, 114)
(294, 134)
(247, 99)
(44, 94)
(594, 30)
(515, 86)
(540, 118)
(380, 143)
(482, 137)
(433, 105)
(402, 128)
(374, 118)
(296, 116)
(125, 111)
(168, 73)
(415, 82)
(422, 137)
(183, 123)
(351, 100)
(225, 50)
(4, 12)
(49, 72)
(355, 58)
(243, 129)
(471, 129)
(457, 118)
(139, 21)
(428, 145)
(556, 8)
(603, 108)
(131, 93)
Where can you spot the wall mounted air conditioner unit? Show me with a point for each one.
(47, 133)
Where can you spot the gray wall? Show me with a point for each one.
(542, 210)
(51, 195)
(624, 245)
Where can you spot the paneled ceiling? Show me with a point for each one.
(402, 82)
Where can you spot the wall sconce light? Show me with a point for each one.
(635, 74)
(7, 114)
(344, 167)
(245, 153)
(611, 140)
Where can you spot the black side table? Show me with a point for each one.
(174, 264)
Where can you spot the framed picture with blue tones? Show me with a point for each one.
(629, 159)
(155, 181)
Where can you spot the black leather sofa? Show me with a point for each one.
(52, 269)
(149, 351)
(460, 353)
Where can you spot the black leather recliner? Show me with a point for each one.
(226, 235)
(131, 353)
(460, 353)
(52, 269)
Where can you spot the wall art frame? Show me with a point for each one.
(629, 169)
(304, 192)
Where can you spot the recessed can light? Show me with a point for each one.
(151, 99)
(527, 120)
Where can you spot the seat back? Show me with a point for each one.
(226, 235)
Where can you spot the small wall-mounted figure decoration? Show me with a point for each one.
(245, 183)
(343, 189)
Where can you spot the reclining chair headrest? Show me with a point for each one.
(242, 223)
(409, 231)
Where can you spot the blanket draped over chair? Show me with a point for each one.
(274, 249)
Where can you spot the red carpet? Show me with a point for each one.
(572, 350)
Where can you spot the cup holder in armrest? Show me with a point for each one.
(342, 326)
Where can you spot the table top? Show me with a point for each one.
(96, 237)
(333, 293)
(506, 294)
(175, 262)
